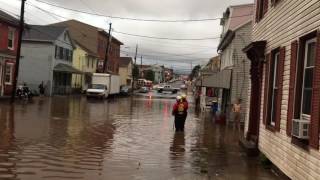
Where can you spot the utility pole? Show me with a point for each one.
(16, 72)
(108, 49)
(134, 67)
(141, 63)
(135, 56)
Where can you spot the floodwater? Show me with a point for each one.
(131, 138)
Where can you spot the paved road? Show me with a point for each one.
(67, 138)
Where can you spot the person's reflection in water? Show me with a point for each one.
(177, 150)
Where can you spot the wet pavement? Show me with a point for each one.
(126, 138)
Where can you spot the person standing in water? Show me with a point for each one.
(178, 112)
(237, 113)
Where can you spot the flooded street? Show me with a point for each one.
(126, 138)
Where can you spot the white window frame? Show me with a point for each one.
(305, 116)
(275, 69)
(11, 30)
(11, 73)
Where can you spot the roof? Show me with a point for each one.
(238, 15)
(42, 33)
(8, 19)
(144, 66)
(216, 80)
(90, 53)
(226, 39)
(84, 34)
(125, 61)
(66, 68)
(113, 38)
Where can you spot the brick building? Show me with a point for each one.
(9, 33)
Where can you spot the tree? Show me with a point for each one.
(149, 75)
(195, 72)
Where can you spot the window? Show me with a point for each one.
(261, 9)
(92, 63)
(308, 69)
(56, 52)
(66, 54)
(274, 2)
(8, 74)
(88, 63)
(61, 53)
(273, 86)
(11, 39)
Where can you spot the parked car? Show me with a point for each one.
(125, 90)
(143, 90)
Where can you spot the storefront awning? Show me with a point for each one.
(66, 69)
(216, 80)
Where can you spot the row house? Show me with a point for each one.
(47, 53)
(285, 84)
(9, 32)
(125, 70)
(234, 64)
(89, 55)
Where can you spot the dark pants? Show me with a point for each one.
(179, 121)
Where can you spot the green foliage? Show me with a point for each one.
(194, 72)
(149, 75)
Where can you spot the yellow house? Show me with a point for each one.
(125, 70)
(86, 62)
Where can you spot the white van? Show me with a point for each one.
(104, 85)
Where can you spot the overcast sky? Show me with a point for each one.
(176, 54)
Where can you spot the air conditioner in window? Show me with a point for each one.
(300, 128)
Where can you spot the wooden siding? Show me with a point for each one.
(241, 67)
(285, 22)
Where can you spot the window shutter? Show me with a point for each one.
(315, 109)
(56, 52)
(257, 10)
(293, 69)
(280, 87)
(265, 6)
(266, 88)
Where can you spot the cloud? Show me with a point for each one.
(161, 50)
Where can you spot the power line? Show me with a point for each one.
(138, 19)
(159, 58)
(142, 36)
(165, 38)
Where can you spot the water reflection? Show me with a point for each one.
(126, 138)
(177, 148)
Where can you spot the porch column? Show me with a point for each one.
(255, 52)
